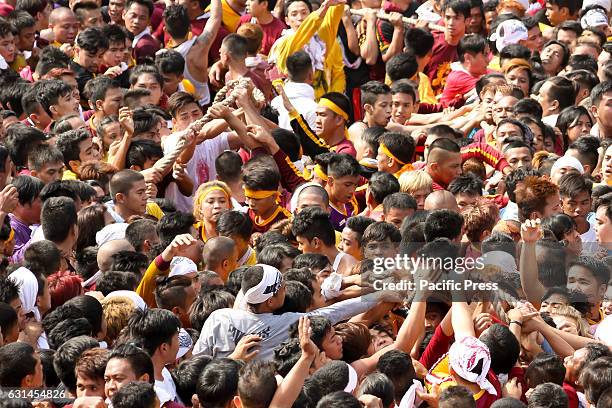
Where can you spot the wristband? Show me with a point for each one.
(516, 322)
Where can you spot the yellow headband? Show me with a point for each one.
(318, 170)
(334, 108)
(259, 194)
(214, 188)
(386, 151)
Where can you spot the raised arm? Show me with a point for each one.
(197, 57)
(528, 268)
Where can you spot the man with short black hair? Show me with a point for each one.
(397, 207)
(76, 147)
(27, 212)
(20, 366)
(137, 18)
(601, 111)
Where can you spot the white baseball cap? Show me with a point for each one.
(594, 18)
(509, 32)
(606, 4)
(182, 266)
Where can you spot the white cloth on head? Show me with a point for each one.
(502, 259)
(266, 288)
(135, 297)
(567, 161)
(111, 232)
(410, 398)
(28, 290)
(509, 32)
(332, 286)
(594, 18)
(463, 357)
(353, 380)
(185, 343)
(181, 265)
(606, 4)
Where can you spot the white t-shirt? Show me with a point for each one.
(166, 390)
(589, 238)
(201, 167)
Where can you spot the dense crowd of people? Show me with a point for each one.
(310, 204)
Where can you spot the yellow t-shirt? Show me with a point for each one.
(426, 93)
(154, 210)
(231, 18)
(69, 175)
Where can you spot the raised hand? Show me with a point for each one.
(125, 120)
(309, 349)
(9, 197)
(178, 244)
(531, 231)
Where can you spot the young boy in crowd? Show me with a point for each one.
(76, 147)
(343, 177)
(376, 102)
(90, 46)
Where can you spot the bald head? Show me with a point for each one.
(217, 250)
(108, 249)
(313, 196)
(441, 199)
(60, 14)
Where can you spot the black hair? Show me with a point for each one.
(288, 142)
(299, 65)
(583, 78)
(381, 231)
(68, 143)
(314, 262)
(529, 106)
(273, 255)
(28, 188)
(234, 223)
(17, 360)
(112, 281)
(339, 99)
(229, 166)
(147, 3)
(457, 396)
(19, 141)
(297, 298)
(559, 225)
(8, 318)
(186, 375)
(57, 217)
(545, 368)
(418, 41)
(339, 399)
(380, 386)
(92, 40)
(460, 7)
(260, 178)
(170, 62)
(596, 377)
(402, 66)
(49, 91)
(381, 185)
(136, 394)
(504, 348)
(400, 145)
(218, 383)
(547, 395)
(582, 61)
(471, 44)
(404, 86)
(269, 238)
(314, 222)
(467, 183)
(142, 150)
(177, 21)
(517, 176)
(443, 224)
(43, 154)
(91, 309)
(31, 6)
(139, 359)
(598, 269)
(397, 366)
(207, 302)
(145, 68)
(236, 45)
(174, 224)
(402, 201)
(66, 357)
(153, 327)
(114, 33)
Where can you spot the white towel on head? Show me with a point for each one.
(266, 288)
(567, 161)
(111, 232)
(28, 290)
(135, 297)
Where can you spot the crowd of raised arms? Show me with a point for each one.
(305, 203)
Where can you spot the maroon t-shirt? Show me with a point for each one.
(271, 31)
(442, 55)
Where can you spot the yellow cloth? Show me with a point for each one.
(442, 370)
(147, 285)
(19, 63)
(251, 260)
(154, 210)
(69, 175)
(188, 87)
(332, 78)
(494, 64)
(231, 18)
(338, 238)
